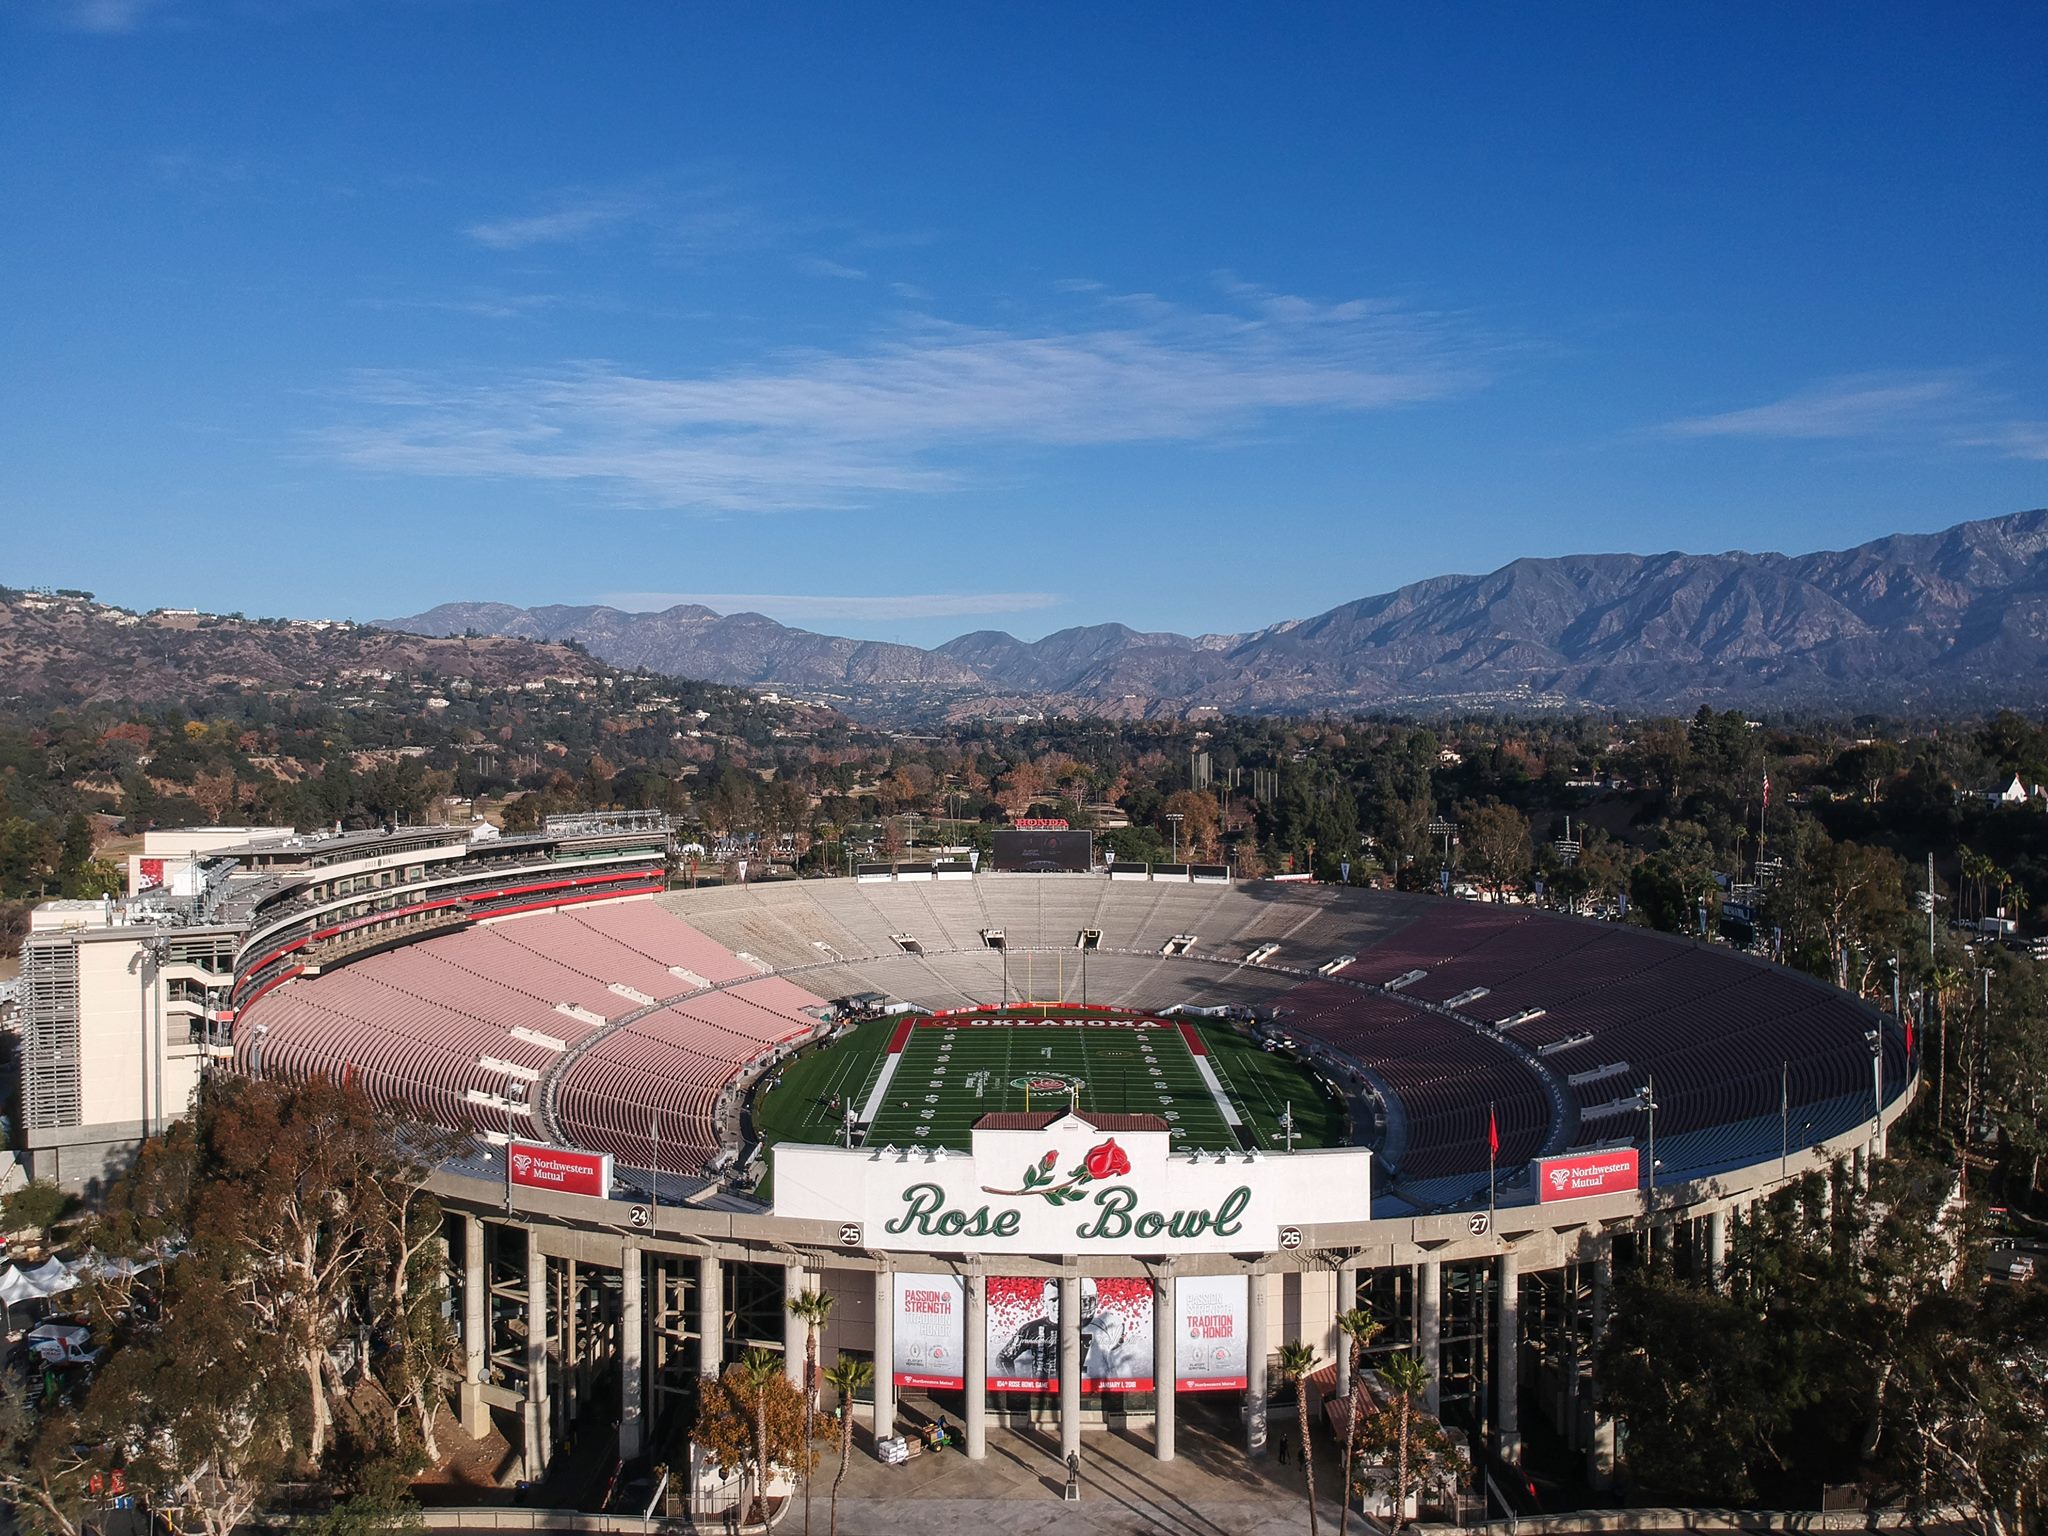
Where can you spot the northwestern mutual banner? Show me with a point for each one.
(1071, 1188)
(1586, 1173)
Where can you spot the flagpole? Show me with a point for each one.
(1492, 1155)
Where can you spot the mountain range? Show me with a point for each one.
(69, 648)
(1948, 620)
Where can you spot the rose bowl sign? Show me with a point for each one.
(529, 1165)
(1067, 1186)
(1586, 1173)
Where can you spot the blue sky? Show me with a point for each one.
(905, 321)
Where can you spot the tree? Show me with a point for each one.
(1496, 839)
(1297, 1363)
(846, 1378)
(1406, 1376)
(1198, 823)
(34, 1208)
(1020, 787)
(201, 1408)
(812, 1308)
(1422, 1454)
(750, 1421)
(1359, 1328)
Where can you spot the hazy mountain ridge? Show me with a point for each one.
(690, 640)
(73, 649)
(1959, 616)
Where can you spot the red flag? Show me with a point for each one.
(1492, 1134)
(1909, 1034)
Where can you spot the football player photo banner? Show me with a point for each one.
(1024, 1334)
(930, 1331)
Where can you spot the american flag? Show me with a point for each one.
(1767, 789)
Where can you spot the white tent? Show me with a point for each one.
(96, 1265)
(15, 1288)
(51, 1278)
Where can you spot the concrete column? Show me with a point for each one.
(1600, 1438)
(569, 1329)
(632, 1386)
(476, 1343)
(885, 1354)
(795, 1336)
(1256, 1346)
(534, 1453)
(1165, 1364)
(1507, 1359)
(1070, 1365)
(974, 1366)
(1429, 1329)
(1717, 1247)
(710, 1316)
(1347, 1298)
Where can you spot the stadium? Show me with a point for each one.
(1004, 1116)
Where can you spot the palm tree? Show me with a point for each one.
(1297, 1360)
(1406, 1376)
(1359, 1328)
(1948, 982)
(758, 1370)
(812, 1308)
(846, 1378)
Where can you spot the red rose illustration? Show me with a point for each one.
(1107, 1161)
(1051, 1158)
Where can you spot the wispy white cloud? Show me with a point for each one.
(107, 17)
(2014, 439)
(567, 222)
(484, 304)
(916, 605)
(824, 266)
(821, 429)
(1946, 408)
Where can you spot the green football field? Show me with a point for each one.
(947, 1074)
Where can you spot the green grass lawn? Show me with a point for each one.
(949, 1077)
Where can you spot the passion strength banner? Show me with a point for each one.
(930, 1331)
(1024, 1334)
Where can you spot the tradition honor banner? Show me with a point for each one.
(1209, 1332)
(1024, 1334)
(930, 1331)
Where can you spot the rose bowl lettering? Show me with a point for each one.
(926, 1213)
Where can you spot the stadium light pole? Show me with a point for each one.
(1647, 1097)
(1174, 819)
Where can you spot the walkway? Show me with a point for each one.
(1208, 1488)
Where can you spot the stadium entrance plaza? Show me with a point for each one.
(1210, 1486)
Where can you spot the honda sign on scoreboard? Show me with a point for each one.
(529, 1165)
(1586, 1173)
